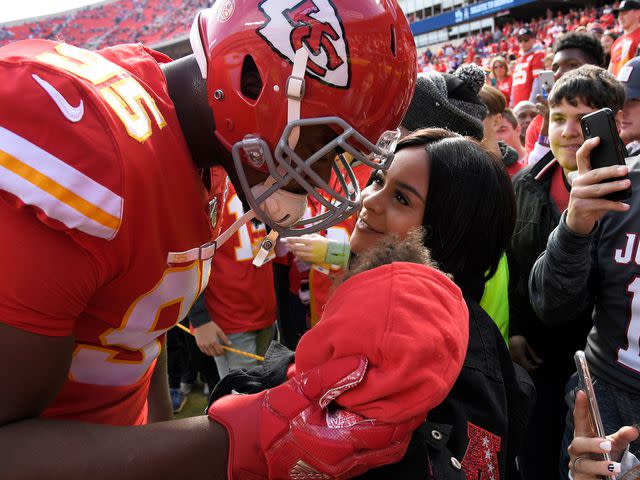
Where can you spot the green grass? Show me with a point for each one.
(196, 403)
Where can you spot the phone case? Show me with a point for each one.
(586, 385)
(611, 150)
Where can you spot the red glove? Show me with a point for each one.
(294, 430)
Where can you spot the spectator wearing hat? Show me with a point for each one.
(625, 47)
(448, 101)
(629, 76)
(526, 83)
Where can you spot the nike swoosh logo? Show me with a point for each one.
(71, 113)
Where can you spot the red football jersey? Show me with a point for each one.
(90, 145)
(240, 297)
(623, 50)
(528, 67)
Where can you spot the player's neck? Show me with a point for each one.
(188, 92)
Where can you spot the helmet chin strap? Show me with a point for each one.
(295, 92)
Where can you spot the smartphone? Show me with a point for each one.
(611, 150)
(546, 82)
(586, 385)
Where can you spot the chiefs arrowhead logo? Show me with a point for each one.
(315, 25)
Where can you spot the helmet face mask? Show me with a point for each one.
(358, 80)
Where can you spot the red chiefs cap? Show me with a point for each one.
(412, 324)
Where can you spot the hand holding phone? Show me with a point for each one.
(547, 80)
(610, 151)
(586, 385)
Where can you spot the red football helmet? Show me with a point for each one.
(274, 66)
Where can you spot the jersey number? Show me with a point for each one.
(126, 353)
(121, 91)
(246, 240)
(630, 356)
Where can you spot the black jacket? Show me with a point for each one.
(537, 217)
(487, 410)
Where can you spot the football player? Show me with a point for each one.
(105, 240)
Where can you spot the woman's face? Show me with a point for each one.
(500, 69)
(395, 200)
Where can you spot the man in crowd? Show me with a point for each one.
(542, 194)
(626, 46)
(104, 161)
(525, 111)
(526, 83)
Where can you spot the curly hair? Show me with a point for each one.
(586, 42)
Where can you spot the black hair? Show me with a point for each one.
(586, 42)
(470, 207)
(595, 86)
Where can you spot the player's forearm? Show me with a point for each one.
(189, 448)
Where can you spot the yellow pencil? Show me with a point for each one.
(229, 349)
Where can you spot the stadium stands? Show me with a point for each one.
(110, 23)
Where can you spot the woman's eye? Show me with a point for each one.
(401, 198)
(377, 178)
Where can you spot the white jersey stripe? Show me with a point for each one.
(60, 172)
(40, 179)
(31, 195)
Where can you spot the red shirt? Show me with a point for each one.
(514, 168)
(623, 50)
(559, 191)
(240, 297)
(528, 67)
(93, 211)
(533, 132)
(505, 87)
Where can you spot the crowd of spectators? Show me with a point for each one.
(111, 23)
(483, 48)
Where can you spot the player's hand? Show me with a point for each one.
(583, 466)
(308, 248)
(523, 354)
(209, 338)
(586, 206)
(297, 429)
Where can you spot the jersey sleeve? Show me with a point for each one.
(58, 154)
(47, 278)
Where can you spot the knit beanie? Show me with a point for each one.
(412, 324)
(449, 101)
